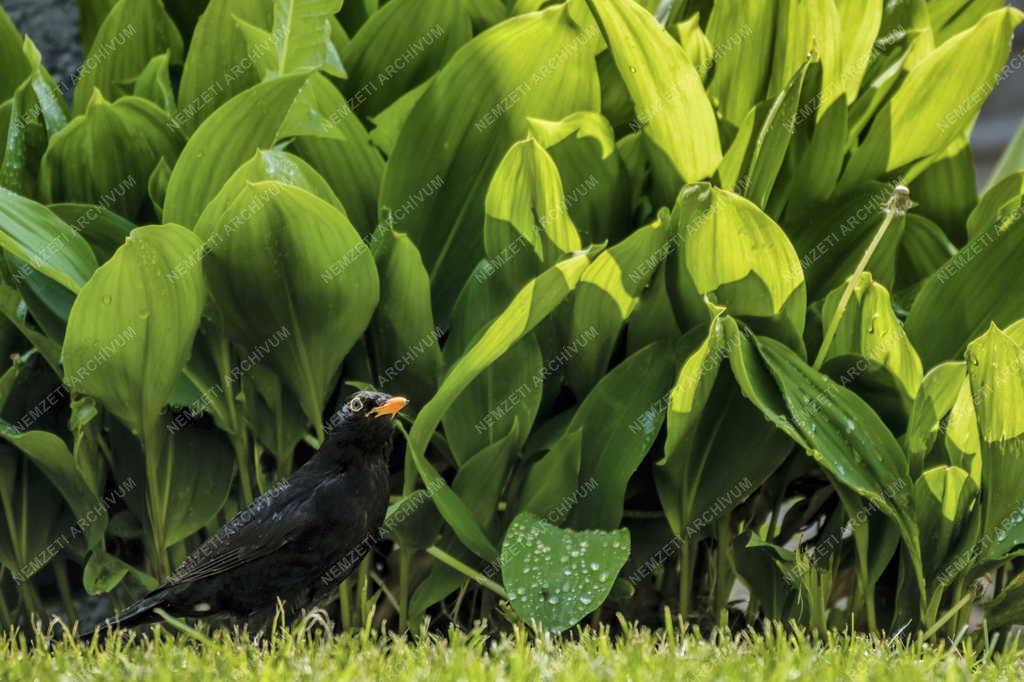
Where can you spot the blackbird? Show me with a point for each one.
(298, 540)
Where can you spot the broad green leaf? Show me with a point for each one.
(1012, 160)
(708, 469)
(219, 64)
(103, 572)
(933, 402)
(752, 269)
(995, 366)
(607, 295)
(1002, 203)
(13, 308)
(132, 33)
(962, 440)
(754, 159)
(264, 166)
(440, 168)
(555, 576)
(48, 452)
(923, 249)
(619, 420)
(809, 26)
(1008, 606)
(529, 307)
(32, 513)
(285, 264)
(306, 108)
(405, 342)
(947, 191)
(35, 235)
(388, 124)
(131, 328)
(742, 34)
(16, 66)
(103, 229)
(154, 84)
(666, 89)
(869, 331)
(921, 119)
(859, 21)
(974, 288)
(78, 167)
(943, 500)
(300, 39)
(526, 225)
(848, 439)
(592, 171)
(400, 47)
(552, 480)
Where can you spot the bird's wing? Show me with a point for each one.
(267, 525)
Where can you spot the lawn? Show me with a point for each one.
(585, 655)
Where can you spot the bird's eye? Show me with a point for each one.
(356, 404)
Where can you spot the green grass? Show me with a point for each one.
(471, 657)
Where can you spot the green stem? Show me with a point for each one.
(468, 571)
(967, 598)
(723, 566)
(240, 442)
(363, 583)
(899, 203)
(345, 604)
(686, 559)
(404, 568)
(60, 568)
(30, 599)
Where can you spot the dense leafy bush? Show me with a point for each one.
(669, 319)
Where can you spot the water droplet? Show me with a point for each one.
(108, 299)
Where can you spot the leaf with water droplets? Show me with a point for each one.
(556, 576)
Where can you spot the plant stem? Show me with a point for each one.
(948, 614)
(345, 604)
(686, 559)
(898, 205)
(404, 568)
(468, 571)
(60, 568)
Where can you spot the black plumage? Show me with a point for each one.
(297, 541)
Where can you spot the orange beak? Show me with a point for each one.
(390, 408)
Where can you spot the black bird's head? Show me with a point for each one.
(366, 422)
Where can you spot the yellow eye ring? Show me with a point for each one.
(356, 405)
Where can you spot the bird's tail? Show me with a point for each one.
(139, 613)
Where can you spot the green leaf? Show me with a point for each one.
(103, 229)
(947, 191)
(1012, 160)
(404, 341)
(400, 47)
(742, 34)
(300, 39)
(529, 307)
(16, 66)
(283, 264)
(974, 288)
(921, 119)
(754, 273)
(859, 21)
(264, 166)
(34, 234)
(606, 297)
(619, 420)
(154, 83)
(48, 452)
(78, 167)
(869, 331)
(131, 328)
(995, 366)
(438, 173)
(552, 480)
(555, 577)
(219, 64)
(682, 126)
(103, 572)
(1002, 203)
(843, 434)
(933, 402)
(754, 159)
(304, 108)
(809, 27)
(132, 33)
(943, 500)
